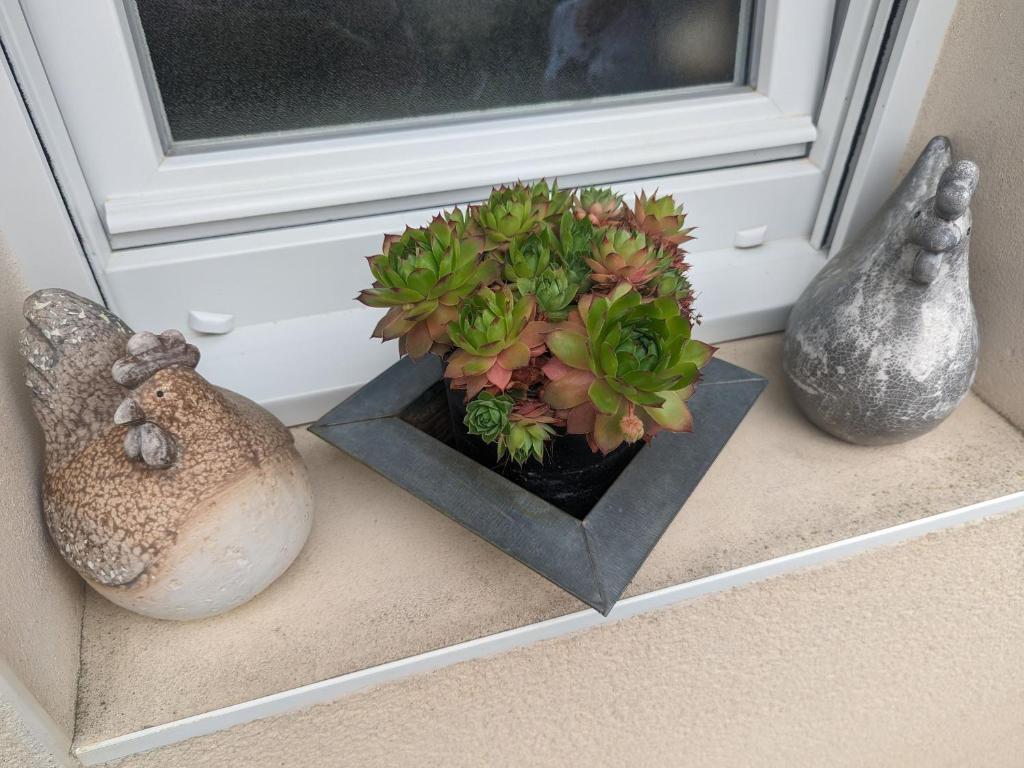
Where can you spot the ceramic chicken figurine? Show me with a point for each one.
(883, 344)
(171, 497)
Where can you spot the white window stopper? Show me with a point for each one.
(750, 238)
(210, 322)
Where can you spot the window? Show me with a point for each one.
(238, 157)
(245, 69)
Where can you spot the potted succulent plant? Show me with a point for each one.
(545, 340)
(564, 320)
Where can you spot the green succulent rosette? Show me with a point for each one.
(495, 334)
(526, 260)
(518, 210)
(487, 416)
(555, 290)
(674, 284)
(550, 201)
(421, 277)
(536, 268)
(571, 241)
(623, 368)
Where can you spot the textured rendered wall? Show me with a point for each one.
(41, 599)
(911, 655)
(976, 97)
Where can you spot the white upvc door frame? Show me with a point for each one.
(917, 32)
(36, 131)
(34, 221)
(300, 341)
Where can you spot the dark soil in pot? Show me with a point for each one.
(572, 477)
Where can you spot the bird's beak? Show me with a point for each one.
(129, 412)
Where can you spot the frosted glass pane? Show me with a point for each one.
(242, 67)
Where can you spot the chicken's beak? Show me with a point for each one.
(129, 412)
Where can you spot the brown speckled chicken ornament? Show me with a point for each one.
(170, 496)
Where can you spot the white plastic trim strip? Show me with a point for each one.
(338, 687)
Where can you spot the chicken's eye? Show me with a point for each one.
(159, 393)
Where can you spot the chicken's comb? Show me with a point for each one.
(149, 353)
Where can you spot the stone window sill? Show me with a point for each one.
(384, 577)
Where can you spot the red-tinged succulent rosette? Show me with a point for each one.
(494, 335)
(623, 368)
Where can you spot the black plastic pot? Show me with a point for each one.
(571, 477)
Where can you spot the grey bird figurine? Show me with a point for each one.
(883, 344)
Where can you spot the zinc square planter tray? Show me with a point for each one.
(398, 425)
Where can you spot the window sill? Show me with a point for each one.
(384, 578)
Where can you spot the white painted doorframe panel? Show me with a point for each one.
(302, 367)
(242, 275)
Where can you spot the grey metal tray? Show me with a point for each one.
(398, 426)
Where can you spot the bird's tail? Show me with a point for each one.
(69, 346)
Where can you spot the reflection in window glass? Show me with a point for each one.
(241, 67)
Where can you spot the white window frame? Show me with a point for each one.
(156, 228)
(146, 195)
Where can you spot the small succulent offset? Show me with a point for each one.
(488, 416)
(518, 430)
(557, 311)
